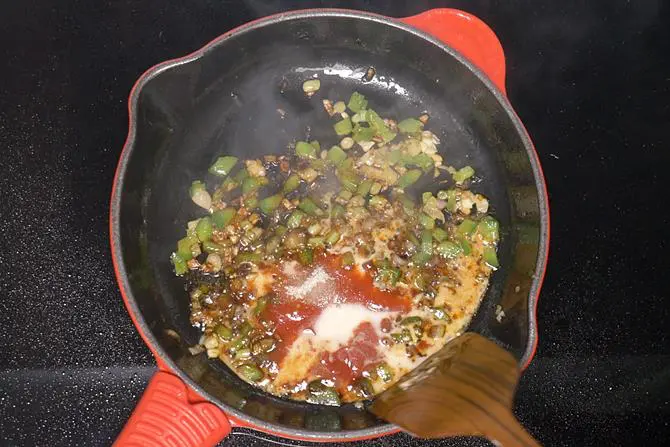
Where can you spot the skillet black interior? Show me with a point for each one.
(243, 96)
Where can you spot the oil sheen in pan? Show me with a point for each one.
(344, 72)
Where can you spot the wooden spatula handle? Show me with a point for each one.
(466, 389)
(508, 432)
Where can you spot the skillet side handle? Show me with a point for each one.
(468, 35)
(168, 415)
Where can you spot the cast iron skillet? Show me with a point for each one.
(224, 99)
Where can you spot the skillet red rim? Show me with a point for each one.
(238, 417)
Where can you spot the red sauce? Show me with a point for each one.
(292, 316)
(357, 287)
(291, 319)
(347, 363)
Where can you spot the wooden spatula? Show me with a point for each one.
(466, 389)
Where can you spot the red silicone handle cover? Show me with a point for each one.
(468, 35)
(169, 415)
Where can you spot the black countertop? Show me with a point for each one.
(591, 81)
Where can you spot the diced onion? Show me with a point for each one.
(347, 143)
(214, 262)
(312, 86)
(202, 199)
(211, 342)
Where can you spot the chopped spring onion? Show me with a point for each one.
(375, 188)
(221, 218)
(223, 165)
(439, 234)
(179, 264)
(343, 127)
(337, 210)
(409, 178)
(426, 197)
(345, 195)
(349, 180)
(411, 320)
(490, 257)
(204, 229)
(451, 200)
(250, 372)
(272, 244)
(380, 127)
(422, 161)
(294, 219)
(228, 185)
(251, 202)
(448, 250)
(305, 150)
(426, 221)
(336, 155)
(310, 207)
(241, 175)
(246, 256)
(463, 174)
(466, 228)
(243, 354)
(292, 183)
(261, 304)
(185, 247)
(394, 157)
(357, 102)
(314, 229)
(294, 239)
(489, 228)
(378, 202)
(359, 117)
(270, 203)
(306, 256)
(465, 245)
(362, 133)
(410, 125)
(332, 237)
(364, 188)
(213, 247)
(263, 345)
(224, 332)
(348, 259)
(251, 184)
(425, 252)
(384, 372)
(318, 393)
(315, 242)
(388, 277)
(317, 165)
(240, 342)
